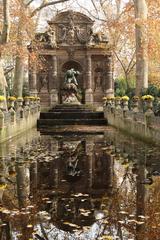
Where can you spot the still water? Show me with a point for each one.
(103, 186)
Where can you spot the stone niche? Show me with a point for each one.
(70, 42)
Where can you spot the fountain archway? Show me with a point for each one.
(80, 78)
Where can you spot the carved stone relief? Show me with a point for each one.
(73, 29)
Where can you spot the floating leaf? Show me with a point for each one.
(29, 226)
(3, 186)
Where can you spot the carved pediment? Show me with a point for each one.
(72, 27)
(68, 16)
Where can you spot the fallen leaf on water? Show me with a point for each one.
(71, 224)
(29, 226)
(123, 212)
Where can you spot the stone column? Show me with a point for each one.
(89, 91)
(33, 80)
(108, 85)
(53, 90)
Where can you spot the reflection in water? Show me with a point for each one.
(79, 187)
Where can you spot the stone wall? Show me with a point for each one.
(145, 126)
(18, 120)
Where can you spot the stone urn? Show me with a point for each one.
(135, 101)
(125, 105)
(125, 100)
(148, 101)
(149, 105)
(26, 101)
(19, 102)
(31, 98)
(113, 103)
(118, 103)
(2, 103)
(109, 102)
(11, 102)
(105, 101)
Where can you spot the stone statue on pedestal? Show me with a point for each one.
(70, 89)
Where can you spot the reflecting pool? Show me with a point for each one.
(90, 186)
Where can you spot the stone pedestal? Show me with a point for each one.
(45, 96)
(109, 92)
(53, 97)
(89, 96)
(33, 92)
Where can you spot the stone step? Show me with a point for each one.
(71, 115)
(42, 123)
(69, 108)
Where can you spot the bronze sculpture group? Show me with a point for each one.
(70, 88)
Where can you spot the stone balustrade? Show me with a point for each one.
(144, 125)
(20, 116)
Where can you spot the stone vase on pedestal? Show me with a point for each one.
(149, 105)
(26, 102)
(11, 103)
(135, 105)
(125, 105)
(1, 105)
(1, 114)
(89, 96)
(19, 106)
(26, 106)
(118, 103)
(19, 102)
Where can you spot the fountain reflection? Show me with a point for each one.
(74, 181)
(79, 187)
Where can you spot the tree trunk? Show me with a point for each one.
(6, 22)
(20, 59)
(141, 13)
(18, 77)
(3, 40)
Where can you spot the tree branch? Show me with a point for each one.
(129, 66)
(123, 66)
(29, 2)
(95, 7)
(89, 12)
(8, 70)
(46, 5)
